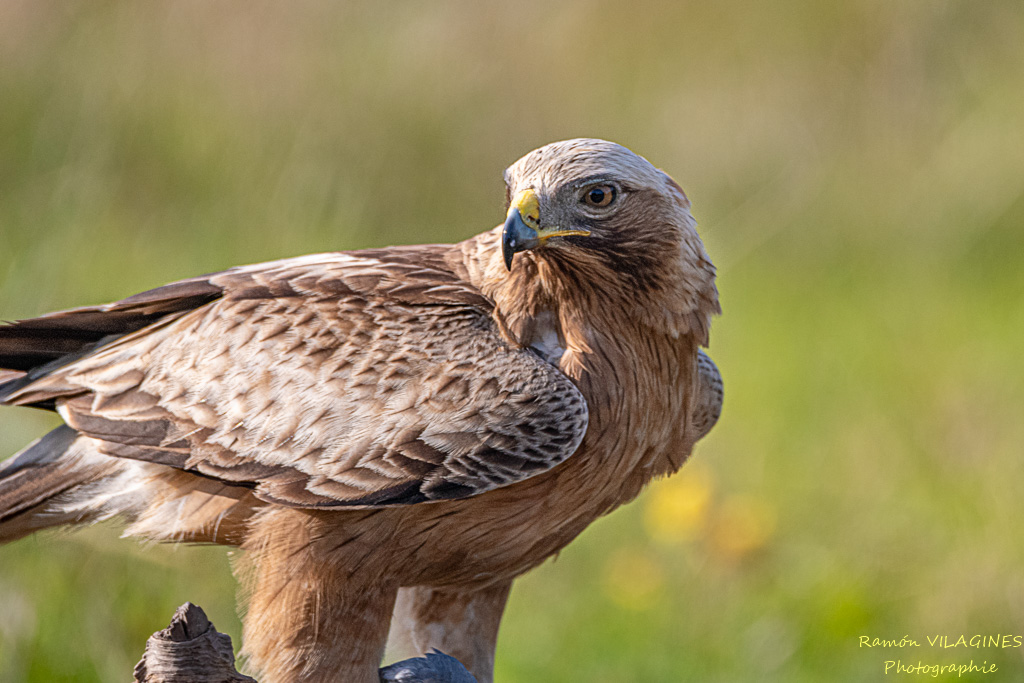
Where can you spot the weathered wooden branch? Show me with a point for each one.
(191, 650)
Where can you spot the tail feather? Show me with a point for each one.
(64, 478)
(68, 478)
(45, 471)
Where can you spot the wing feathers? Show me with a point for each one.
(27, 344)
(321, 381)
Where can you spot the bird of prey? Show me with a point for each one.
(392, 435)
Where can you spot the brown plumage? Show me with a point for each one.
(400, 430)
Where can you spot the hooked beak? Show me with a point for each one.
(523, 231)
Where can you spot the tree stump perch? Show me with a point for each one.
(191, 650)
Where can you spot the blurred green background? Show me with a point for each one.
(857, 170)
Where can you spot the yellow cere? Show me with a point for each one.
(528, 205)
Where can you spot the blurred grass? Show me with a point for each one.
(858, 172)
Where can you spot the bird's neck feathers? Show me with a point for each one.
(596, 294)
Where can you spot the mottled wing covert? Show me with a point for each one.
(332, 380)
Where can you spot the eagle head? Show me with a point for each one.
(599, 222)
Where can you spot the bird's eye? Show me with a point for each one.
(600, 195)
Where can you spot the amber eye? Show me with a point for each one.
(600, 195)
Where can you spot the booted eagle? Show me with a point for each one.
(393, 435)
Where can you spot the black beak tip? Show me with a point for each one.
(516, 236)
(508, 238)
